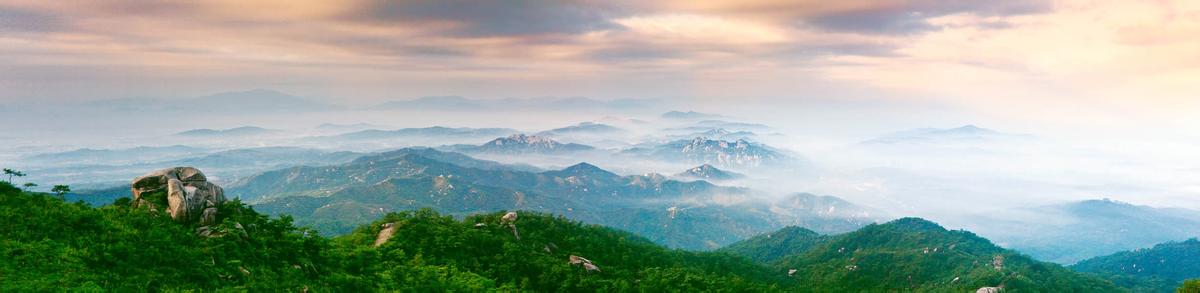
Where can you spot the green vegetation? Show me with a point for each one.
(48, 243)
(11, 173)
(1159, 269)
(1189, 286)
(773, 246)
(911, 254)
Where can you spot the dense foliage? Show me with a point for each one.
(769, 247)
(48, 243)
(1159, 269)
(1189, 286)
(538, 261)
(912, 254)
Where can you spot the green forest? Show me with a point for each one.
(50, 243)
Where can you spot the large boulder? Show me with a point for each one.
(189, 197)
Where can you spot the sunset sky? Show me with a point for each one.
(1095, 59)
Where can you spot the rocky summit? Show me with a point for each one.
(184, 191)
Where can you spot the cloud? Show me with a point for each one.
(906, 17)
(482, 18)
(14, 20)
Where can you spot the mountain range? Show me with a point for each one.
(1067, 233)
(523, 144)
(259, 101)
(238, 131)
(1161, 268)
(962, 134)
(710, 173)
(456, 103)
(740, 154)
(695, 215)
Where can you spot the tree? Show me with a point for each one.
(1189, 286)
(29, 185)
(11, 173)
(61, 190)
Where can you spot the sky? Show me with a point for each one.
(1068, 63)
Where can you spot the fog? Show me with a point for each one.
(867, 154)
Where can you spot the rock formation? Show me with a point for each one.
(183, 191)
(586, 263)
(384, 235)
(988, 290)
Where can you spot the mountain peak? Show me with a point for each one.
(709, 172)
(915, 224)
(583, 168)
(520, 143)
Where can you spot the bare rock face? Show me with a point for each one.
(386, 234)
(189, 197)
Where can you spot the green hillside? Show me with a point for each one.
(1161, 268)
(47, 243)
(910, 254)
(770, 247)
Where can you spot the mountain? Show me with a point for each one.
(1067, 233)
(87, 156)
(239, 131)
(524, 144)
(1161, 268)
(720, 134)
(456, 103)
(48, 243)
(347, 127)
(449, 157)
(689, 115)
(243, 102)
(735, 126)
(586, 128)
(770, 247)
(123, 247)
(694, 215)
(965, 133)
(427, 133)
(740, 154)
(226, 165)
(710, 173)
(912, 254)
(267, 157)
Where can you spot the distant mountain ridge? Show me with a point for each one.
(581, 128)
(692, 115)
(1161, 268)
(457, 103)
(524, 144)
(425, 132)
(740, 154)
(237, 131)
(708, 172)
(965, 133)
(1071, 232)
(695, 215)
(240, 102)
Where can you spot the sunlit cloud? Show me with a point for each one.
(997, 56)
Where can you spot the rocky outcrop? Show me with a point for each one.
(386, 234)
(586, 263)
(184, 192)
